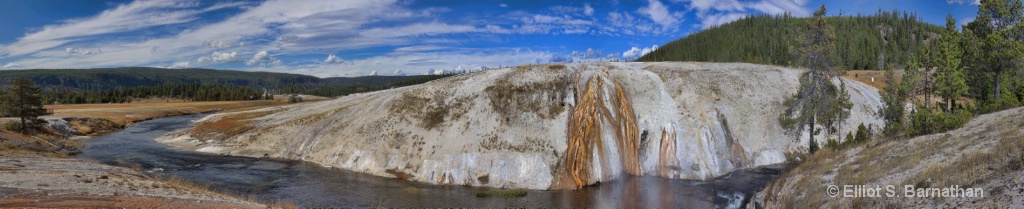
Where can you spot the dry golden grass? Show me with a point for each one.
(864, 77)
(231, 125)
(127, 113)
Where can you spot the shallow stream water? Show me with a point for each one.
(310, 185)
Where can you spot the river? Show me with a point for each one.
(310, 185)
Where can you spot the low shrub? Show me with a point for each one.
(926, 121)
(12, 126)
(863, 134)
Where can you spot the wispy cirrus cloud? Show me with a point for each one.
(717, 12)
(11, 66)
(295, 36)
(124, 18)
(972, 2)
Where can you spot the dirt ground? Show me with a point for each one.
(32, 180)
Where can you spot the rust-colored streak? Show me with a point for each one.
(585, 131)
(667, 157)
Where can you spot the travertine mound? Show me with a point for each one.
(539, 126)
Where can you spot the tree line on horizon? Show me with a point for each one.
(192, 92)
(209, 92)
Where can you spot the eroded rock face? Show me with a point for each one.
(542, 126)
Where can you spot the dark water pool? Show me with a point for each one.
(310, 185)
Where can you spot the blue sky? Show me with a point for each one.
(385, 37)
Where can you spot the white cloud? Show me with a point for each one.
(587, 10)
(263, 58)
(374, 73)
(717, 12)
(217, 44)
(660, 14)
(11, 66)
(972, 2)
(719, 19)
(503, 5)
(180, 65)
(225, 57)
(331, 59)
(399, 72)
(633, 52)
(420, 48)
(966, 20)
(637, 52)
(219, 57)
(795, 7)
(421, 62)
(83, 51)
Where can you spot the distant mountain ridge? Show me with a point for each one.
(125, 77)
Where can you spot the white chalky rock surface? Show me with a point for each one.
(724, 116)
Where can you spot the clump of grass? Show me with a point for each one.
(9, 146)
(502, 193)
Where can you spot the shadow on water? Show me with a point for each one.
(310, 185)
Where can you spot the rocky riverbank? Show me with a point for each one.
(987, 154)
(33, 180)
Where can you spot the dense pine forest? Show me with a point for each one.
(119, 85)
(193, 91)
(862, 42)
(125, 77)
(949, 74)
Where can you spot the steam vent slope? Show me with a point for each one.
(539, 126)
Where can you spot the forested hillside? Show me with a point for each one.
(106, 85)
(862, 42)
(110, 78)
